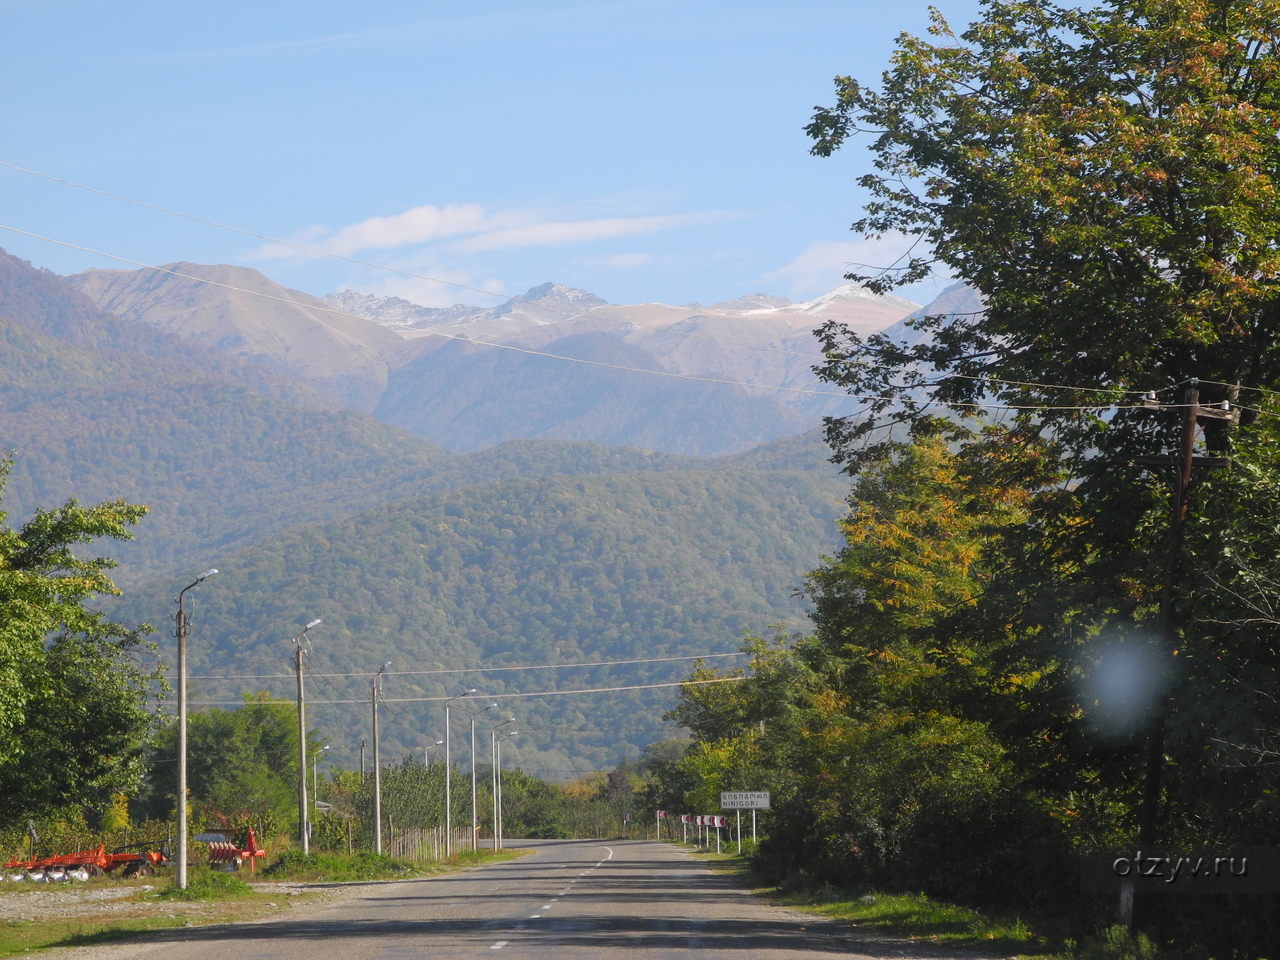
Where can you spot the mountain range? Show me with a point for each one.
(533, 551)
(467, 492)
(554, 363)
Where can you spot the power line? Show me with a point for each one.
(482, 696)
(420, 673)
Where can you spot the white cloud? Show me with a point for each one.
(483, 230)
(419, 225)
(415, 226)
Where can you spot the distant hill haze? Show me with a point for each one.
(555, 363)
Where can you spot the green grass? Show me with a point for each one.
(206, 884)
(913, 916)
(24, 936)
(919, 917)
(211, 897)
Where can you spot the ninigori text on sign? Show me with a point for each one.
(744, 800)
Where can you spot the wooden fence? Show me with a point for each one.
(422, 843)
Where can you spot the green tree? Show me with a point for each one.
(73, 718)
(243, 759)
(1105, 179)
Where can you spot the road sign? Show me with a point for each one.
(744, 800)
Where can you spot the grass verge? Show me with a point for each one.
(59, 918)
(910, 916)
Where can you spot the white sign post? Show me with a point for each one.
(739, 800)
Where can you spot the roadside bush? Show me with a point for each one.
(1114, 943)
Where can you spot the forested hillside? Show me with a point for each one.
(531, 552)
(464, 396)
(521, 572)
(222, 452)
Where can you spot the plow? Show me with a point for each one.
(85, 865)
(131, 861)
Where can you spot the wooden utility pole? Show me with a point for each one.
(1183, 465)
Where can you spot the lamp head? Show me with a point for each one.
(314, 623)
(206, 575)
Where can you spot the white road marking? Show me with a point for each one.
(498, 946)
(535, 916)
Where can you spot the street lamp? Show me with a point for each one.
(315, 782)
(448, 777)
(375, 689)
(475, 840)
(182, 729)
(497, 756)
(493, 767)
(304, 828)
(426, 752)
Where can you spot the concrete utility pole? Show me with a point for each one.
(426, 753)
(448, 777)
(375, 690)
(304, 824)
(181, 878)
(475, 819)
(493, 769)
(500, 831)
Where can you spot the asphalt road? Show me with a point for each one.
(629, 900)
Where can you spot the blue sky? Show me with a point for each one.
(645, 152)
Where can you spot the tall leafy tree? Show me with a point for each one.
(1105, 179)
(73, 718)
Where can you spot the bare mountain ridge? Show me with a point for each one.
(556, 362)
(238, 311)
